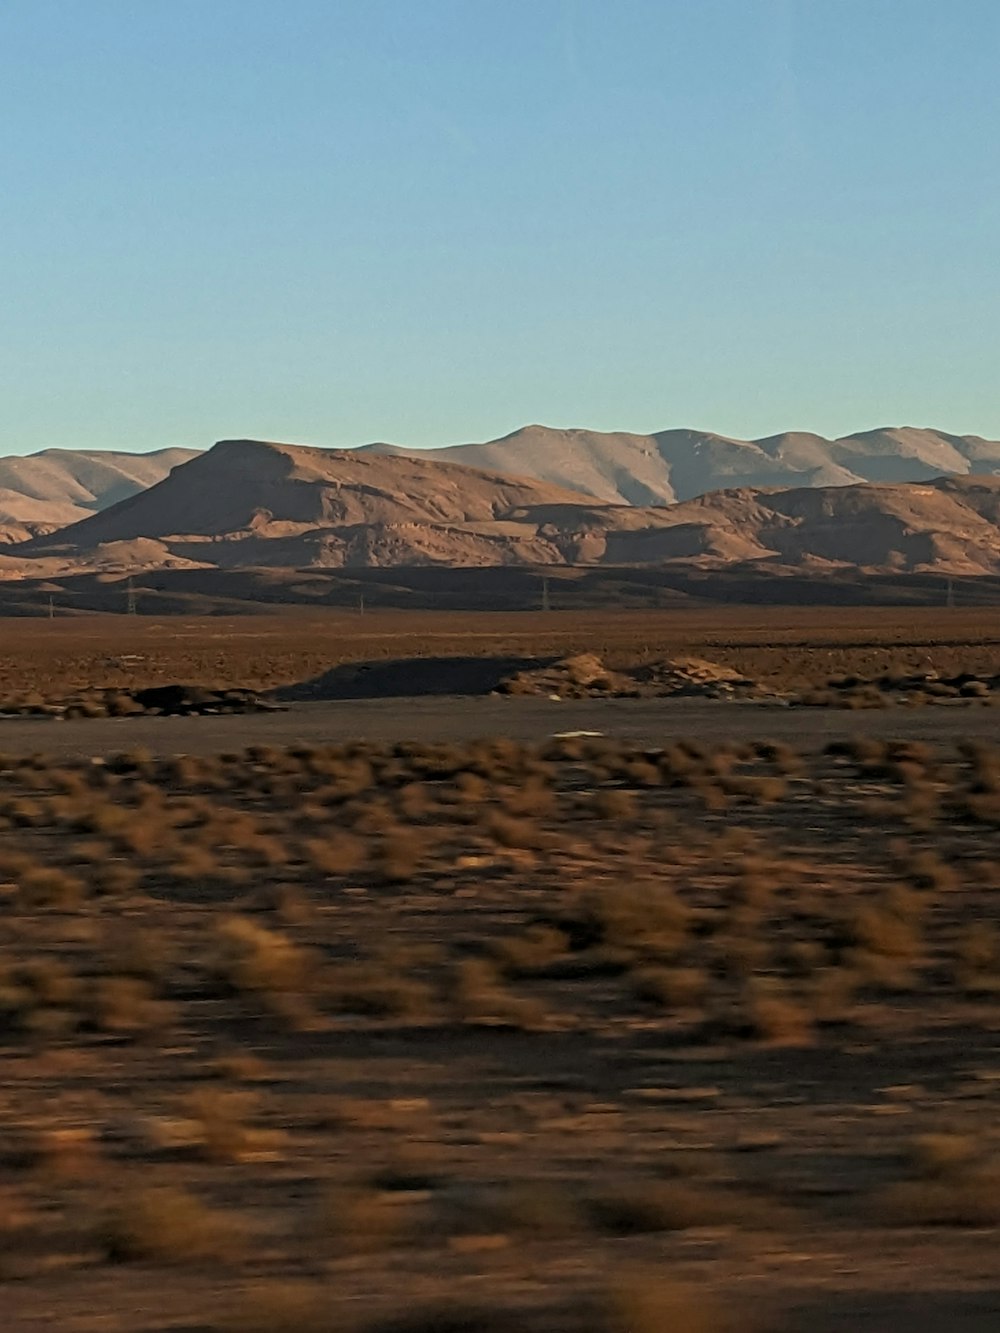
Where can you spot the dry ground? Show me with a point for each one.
(584, 1037)
(781, 646)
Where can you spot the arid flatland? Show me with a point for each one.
(690, 1025)
(779, 644)
(484, 1037)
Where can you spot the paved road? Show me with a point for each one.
(459, 719)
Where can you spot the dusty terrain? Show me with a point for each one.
(340, 1018)
(783, 646)
(584, 1037)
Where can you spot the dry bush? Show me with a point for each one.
(637, 1207)
(337, 854)
(926, 870)
(532, 952)
(537, 1208)
(376, 990)
(360, 1220)
(518, 833)
(124, 1005)
(399, 854)
(168, 1224)
(671, 987)
(977, 958)
(635, 922)
(478, 995)
(267, 964)
(532, 800)
(775, 1017)
(49, 887)
(129, 948)
(613, 803)
(954, 1184)
(651, 1303)
(757, 790)
(412, 1166)
(283, 1307)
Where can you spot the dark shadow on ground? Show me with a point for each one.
(405, 677)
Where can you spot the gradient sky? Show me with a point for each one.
(432, 221)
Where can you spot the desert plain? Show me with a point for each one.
(423, 1013)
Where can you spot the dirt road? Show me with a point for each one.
(649, 721)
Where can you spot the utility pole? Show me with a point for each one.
(545, 595)
(131, 605)
(52, 608)
(361, 603)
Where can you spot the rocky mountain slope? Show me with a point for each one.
(255, 505)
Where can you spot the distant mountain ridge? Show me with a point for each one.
(48, 490)
(677, 465)
(251, 504)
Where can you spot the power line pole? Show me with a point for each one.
(52, 607)
(545, 595)
(131, 604)
(361, 603)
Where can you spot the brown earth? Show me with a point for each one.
(582, 1037)
(781, 647)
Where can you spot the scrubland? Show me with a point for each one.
(489, 1037)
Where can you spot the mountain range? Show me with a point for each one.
(247, 504)
(42, 492)
(677, 465)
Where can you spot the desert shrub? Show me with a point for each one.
(757, 790)
(971, 1202)
(532, 800)
(399, 854)
(223, 1120)
(361, 1220)
(538, 1208)
(376, 990)
(977, 958)
(637, 921)
(613, 803)
(927, 870)
(125, 1004)
(775, 1016)
(636, 1207)
(478, 995)
(532, 951)
(337, 854)
(515, 832)
(284, 1307)
(670, 987)
(269, 965)
(651, 1303)
(169, 1225)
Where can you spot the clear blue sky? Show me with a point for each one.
(432, 221)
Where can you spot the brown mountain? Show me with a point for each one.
(48, 490)
(249, 504)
